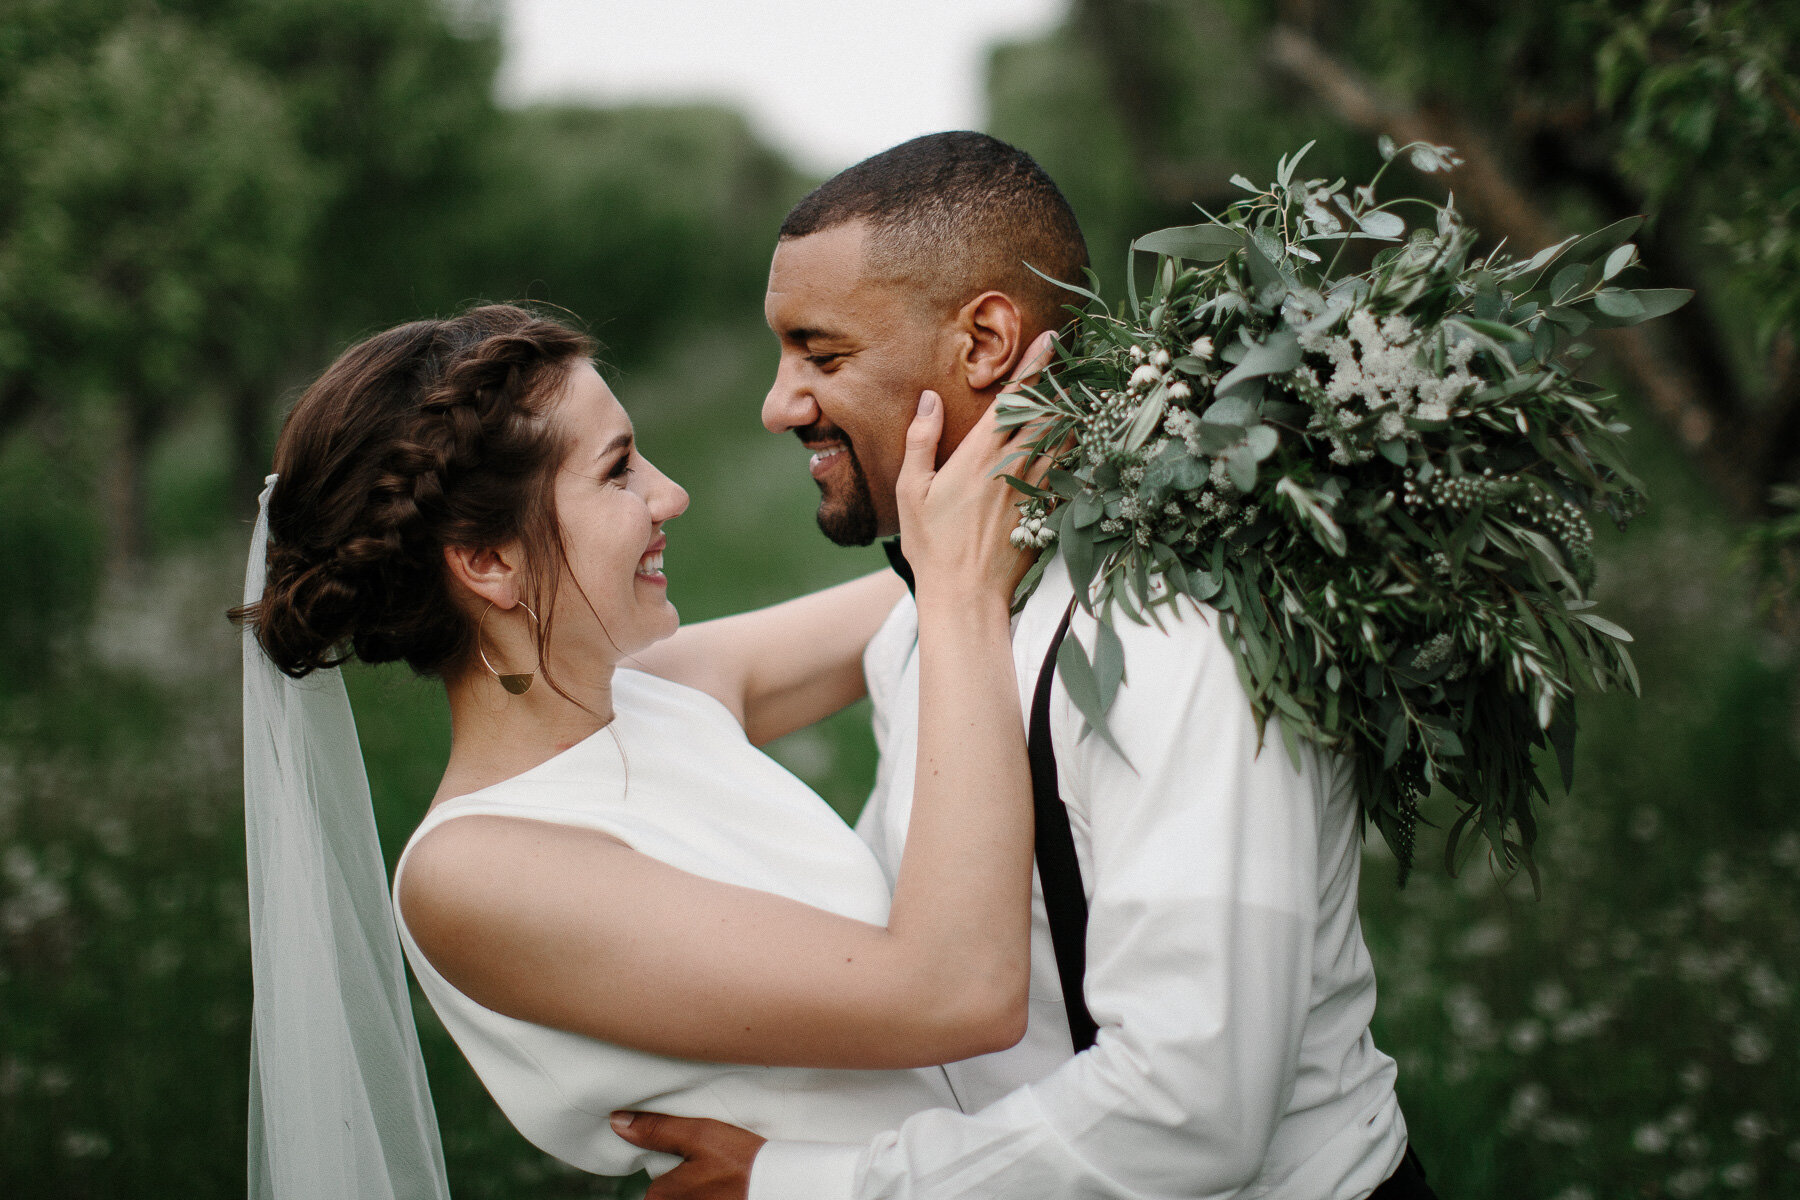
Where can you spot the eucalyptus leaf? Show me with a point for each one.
(1604, 626)
(1083, 688)
(1384, 225)
(1619, 304)
(1262, 440)
(1240, 465)
(1230, 410)
(1602, 240)
(1279, 353)
(1618, 260)
(1195, 243)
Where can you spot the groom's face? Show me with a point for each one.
(855, 354)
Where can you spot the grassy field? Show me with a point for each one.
(1631, 1034)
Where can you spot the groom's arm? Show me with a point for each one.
(784, 667)
(1204, 872)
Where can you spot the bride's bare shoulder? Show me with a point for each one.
(475, 880)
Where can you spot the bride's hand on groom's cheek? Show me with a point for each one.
(956, 520)
(718, 1155)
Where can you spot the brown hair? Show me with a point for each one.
(432, 434)
(954, 214)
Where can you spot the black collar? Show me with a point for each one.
(897, 560)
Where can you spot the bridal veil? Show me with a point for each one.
(339, 1108)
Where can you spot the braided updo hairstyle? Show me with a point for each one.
(432, 434)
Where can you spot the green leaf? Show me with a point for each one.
(1149, 416)
(1326, 529)
(1494, 329)
(1660, 302)
(1230, 410)
(1384, 225)
(1195, 243)
(1262, 440)
(1078, 550)
(1602, 240)
(1279, 353)
(1604, 626)
(1203, 585)
(1216, 439)
(1618, 260)
(1263, 272)
(1086, 510)
(1240, 464)
(1396, 740)
(1621, 305)
(1083, 689)
(1020, 485)
(1568, 282)
(1562, 740)
(1109, 662)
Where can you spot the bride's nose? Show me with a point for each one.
(668, 499)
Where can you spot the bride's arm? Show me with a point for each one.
(784, 667)
(569, 928)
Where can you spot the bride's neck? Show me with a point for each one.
(495, 735)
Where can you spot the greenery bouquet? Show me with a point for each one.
(1382, 479)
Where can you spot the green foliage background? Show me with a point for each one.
(200, 201)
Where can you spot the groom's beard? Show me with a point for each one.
(846, 514)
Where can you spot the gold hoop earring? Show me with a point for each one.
(516, 684)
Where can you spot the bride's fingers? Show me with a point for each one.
(920, 461)
(1037, 357)
(990, 442)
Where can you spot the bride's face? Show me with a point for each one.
(611, 504)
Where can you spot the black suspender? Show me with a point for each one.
(1059, 871)
(1065, 900)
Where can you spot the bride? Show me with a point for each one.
(614, 900)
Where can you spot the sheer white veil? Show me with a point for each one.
(339, 1108)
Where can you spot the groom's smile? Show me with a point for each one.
(855, 354)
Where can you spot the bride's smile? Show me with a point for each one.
(611, 504)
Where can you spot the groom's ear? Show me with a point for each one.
(991, 329)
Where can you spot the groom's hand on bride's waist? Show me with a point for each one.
(718, 1155)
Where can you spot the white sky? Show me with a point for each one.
(827, 81)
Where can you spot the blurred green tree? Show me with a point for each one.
(642, 220)
(159, 198)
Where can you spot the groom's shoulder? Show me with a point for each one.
(1171, 633)
(886, 655)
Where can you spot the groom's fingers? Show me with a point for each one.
(719, 1156)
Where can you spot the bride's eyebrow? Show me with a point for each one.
(622, 442)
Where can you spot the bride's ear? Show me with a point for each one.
(490, 574)
(991, 328)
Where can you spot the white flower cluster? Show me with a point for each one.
(1378, 374)
(1031, 533)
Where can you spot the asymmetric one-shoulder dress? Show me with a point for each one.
(688, 789)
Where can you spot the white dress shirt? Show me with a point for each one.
(1225, 960)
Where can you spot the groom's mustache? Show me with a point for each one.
(824, 431)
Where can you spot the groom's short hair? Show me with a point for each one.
(951, 215)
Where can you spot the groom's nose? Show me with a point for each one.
(788, 405)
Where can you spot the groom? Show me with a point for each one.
(1226, 969)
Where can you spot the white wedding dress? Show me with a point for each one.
(690, 790)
